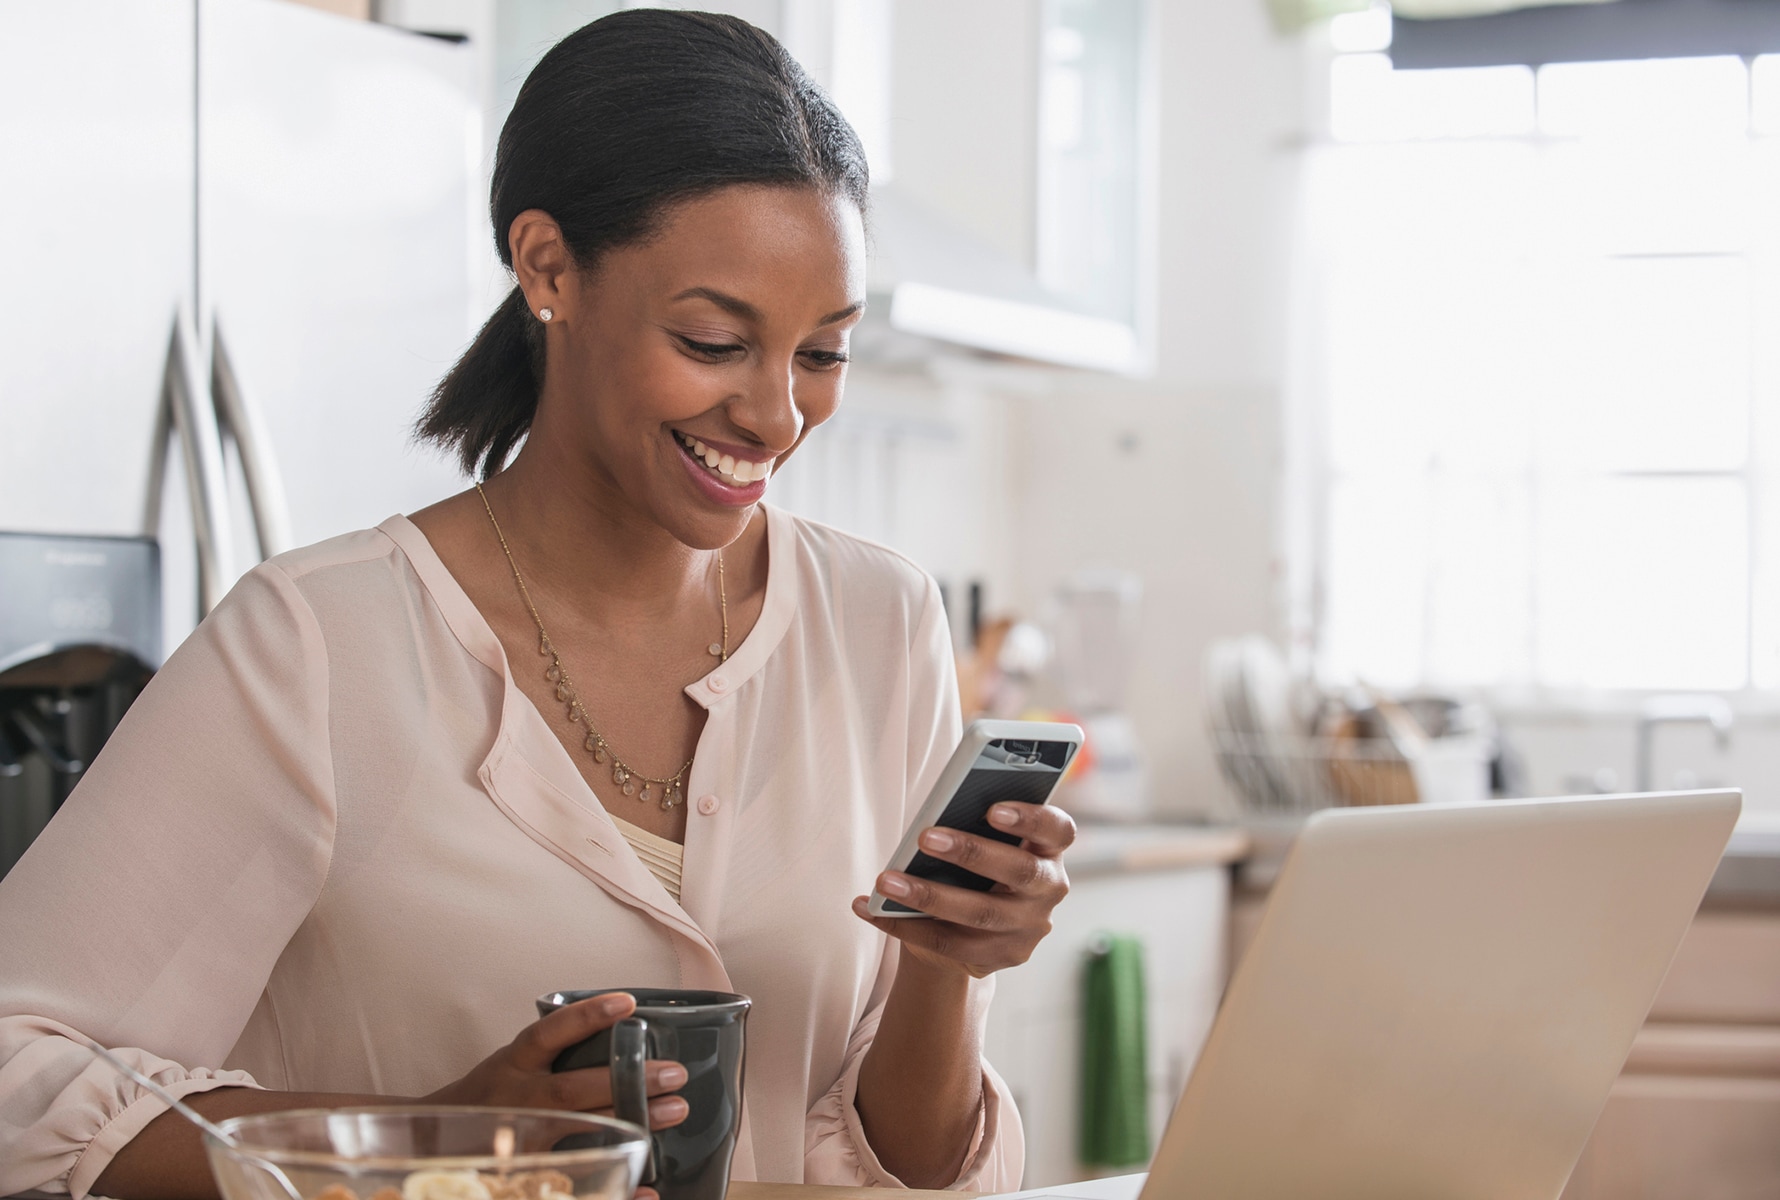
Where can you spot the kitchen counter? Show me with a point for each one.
(1750, 870)
(1749, 874)
(1117, 849)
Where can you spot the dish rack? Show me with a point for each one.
(1260, 723)
(1290, 775)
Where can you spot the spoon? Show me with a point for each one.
(191, 1114)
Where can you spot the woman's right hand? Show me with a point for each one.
(518, 1075)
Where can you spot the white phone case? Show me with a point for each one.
(964, 760)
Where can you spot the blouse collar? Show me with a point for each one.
(775, 617)
(473, 631)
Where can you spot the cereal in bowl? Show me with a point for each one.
(466, 1185)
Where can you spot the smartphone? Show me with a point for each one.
(997, 762)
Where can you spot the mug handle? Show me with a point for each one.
(630, 1087)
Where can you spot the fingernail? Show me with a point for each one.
(1004, 814)
(672, 1075)
(938, 839)
(894, 885)
(613, 1005)
(667, 1109)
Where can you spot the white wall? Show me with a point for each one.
(1179, 478)
(1178, 485)
(1581, 752)
(1233, 111)
(919, 465)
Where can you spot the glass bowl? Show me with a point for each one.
(428, 1153)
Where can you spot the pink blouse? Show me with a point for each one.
(333, 847)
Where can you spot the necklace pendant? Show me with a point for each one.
(630, 789)
(598, 747)
(543, 643)
(644, 794)
(716, 649)
(553, 672)
(620, 776)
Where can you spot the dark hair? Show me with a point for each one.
(620, 120)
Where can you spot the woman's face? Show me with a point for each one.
(684, 370)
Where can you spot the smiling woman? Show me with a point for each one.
(603, 720)
(727, 325)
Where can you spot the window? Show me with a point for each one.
(1546, 340)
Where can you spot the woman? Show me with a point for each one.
(603, 721)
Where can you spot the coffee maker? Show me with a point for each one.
(80, 634)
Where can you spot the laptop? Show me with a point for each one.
(1437, 1001)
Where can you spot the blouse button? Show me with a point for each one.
(708, 804)
(719, 683)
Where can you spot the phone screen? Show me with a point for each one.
(1006, 770)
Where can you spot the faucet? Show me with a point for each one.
(1678, 710)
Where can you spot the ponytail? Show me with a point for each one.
(616, 123)
(485, 404)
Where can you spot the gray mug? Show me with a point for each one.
(705, 1032)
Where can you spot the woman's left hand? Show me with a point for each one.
(982, 932)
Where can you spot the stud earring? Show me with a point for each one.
(544, 314)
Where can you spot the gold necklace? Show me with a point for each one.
(628, 779)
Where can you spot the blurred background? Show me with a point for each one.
(1323, 402)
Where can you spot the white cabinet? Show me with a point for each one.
(1034, 1041)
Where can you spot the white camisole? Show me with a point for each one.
(662, 857)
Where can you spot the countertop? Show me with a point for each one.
(1748, 875)
(1750, 870)
(1118, 849)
